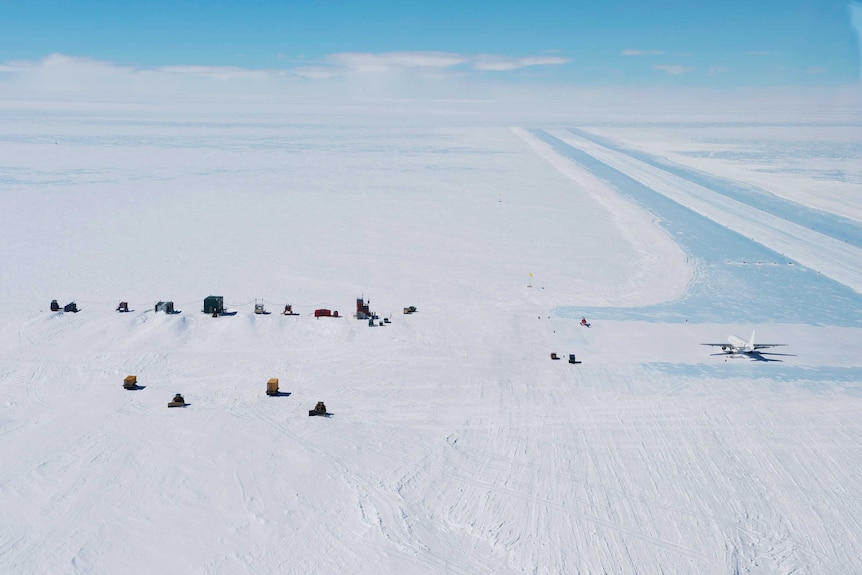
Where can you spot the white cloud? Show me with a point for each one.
(411, 61)
(216, 72)
(61, 59)
(674, 69)
(313, 72)
(341, 76)
(642, 52)
(393, 61)
(71, 73)
(502, 63)
(68, 74)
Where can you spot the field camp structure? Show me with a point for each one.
(363, 312)
(166, 307)
(272, 389)
(272, 386)
(214, 305)
(177, 401)
(319, 409)
(70, 307)
(362, 309)
(572, 359)
(131, 382)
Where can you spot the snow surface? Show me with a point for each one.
(455, 444)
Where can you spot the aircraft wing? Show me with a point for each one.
(766, 345)
(717, 344)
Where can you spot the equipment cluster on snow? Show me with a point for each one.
(130, 382)
(214, 305)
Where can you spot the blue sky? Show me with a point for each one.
(661, 43)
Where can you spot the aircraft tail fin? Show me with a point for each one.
(751, 341)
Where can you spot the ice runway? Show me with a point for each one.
(835, 225)
(745, 257)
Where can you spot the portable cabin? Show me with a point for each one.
(165, 307)
(54, 305)
(214, 304)
(322, 312)
(71, 306)
(258, 307)
(272, 386)
(123, 306)
(130, 382)
(362, 308)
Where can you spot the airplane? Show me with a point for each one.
(737, 347)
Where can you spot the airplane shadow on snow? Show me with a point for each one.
(755, 356)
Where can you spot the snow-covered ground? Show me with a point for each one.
(455, 444)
